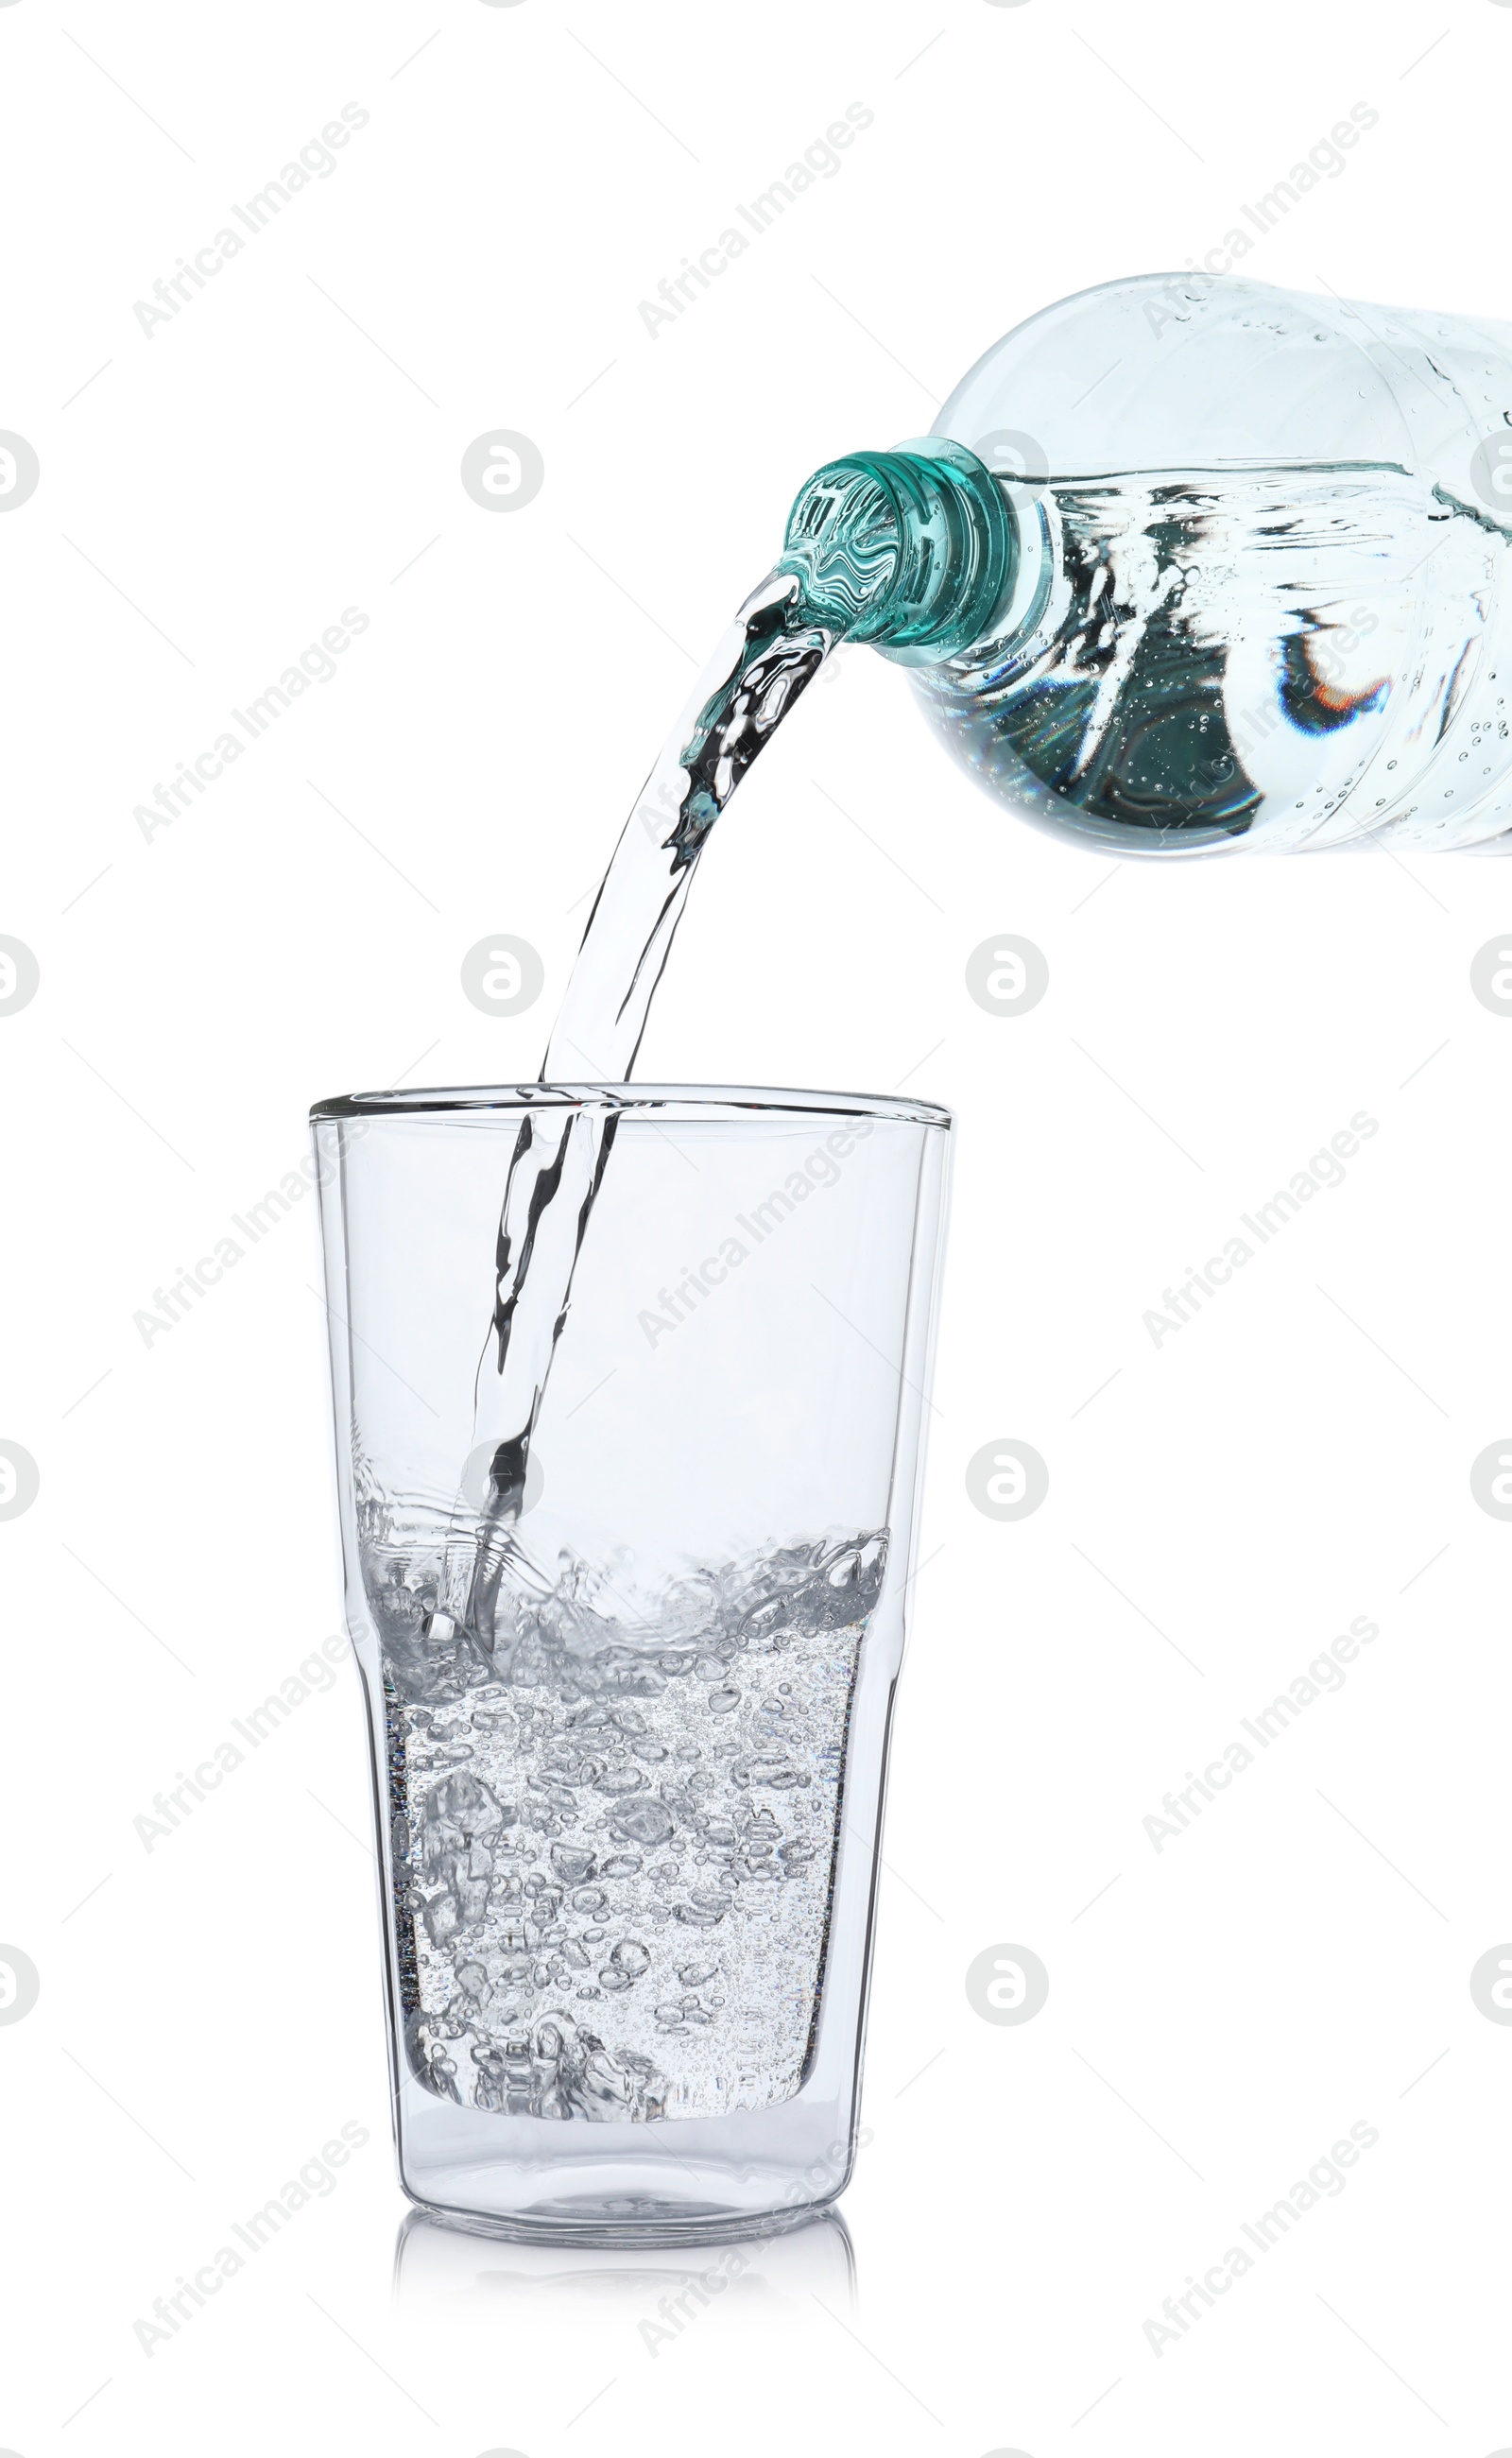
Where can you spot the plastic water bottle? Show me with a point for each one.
(1190, 563)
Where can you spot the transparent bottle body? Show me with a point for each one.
(1260, 593)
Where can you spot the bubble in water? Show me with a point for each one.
(621, 1780)
(512, 1871)
(647, 1823)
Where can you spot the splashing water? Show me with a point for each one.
(772, 650)
(615, 1837)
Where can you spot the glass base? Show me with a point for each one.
(624, 2220)
(538, 2182)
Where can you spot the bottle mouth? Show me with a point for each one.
(910, 551)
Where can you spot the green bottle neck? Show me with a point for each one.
(912, 551)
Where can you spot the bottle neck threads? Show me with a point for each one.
(910, 551)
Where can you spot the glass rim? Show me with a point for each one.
(685, 1103)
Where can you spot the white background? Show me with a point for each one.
(210, 500)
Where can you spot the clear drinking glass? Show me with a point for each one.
(628, 1843)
